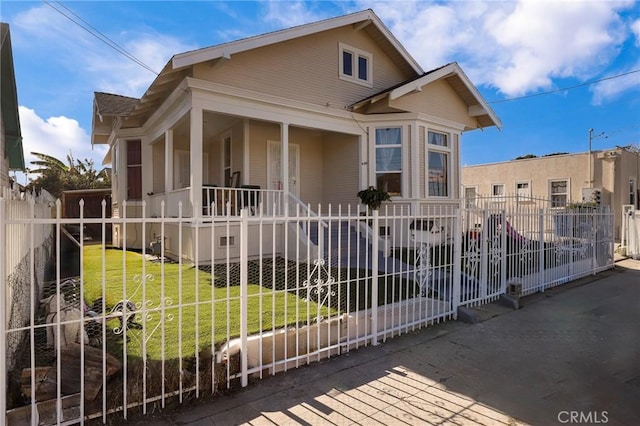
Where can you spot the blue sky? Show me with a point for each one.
(510, 50)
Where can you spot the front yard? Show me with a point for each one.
(178, 312)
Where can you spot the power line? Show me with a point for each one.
(588, 83)
(99, 35)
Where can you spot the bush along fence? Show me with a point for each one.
(183, 307)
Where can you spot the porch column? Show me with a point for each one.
(120, 165)
(364, 160)
(414, 166)
(196, 155)
(168, 160)
(146, 153)
(284, 160)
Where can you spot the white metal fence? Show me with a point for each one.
(630, 234)
(116, 329)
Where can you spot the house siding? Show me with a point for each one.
(437, 99)
(341, 179)
(157, 150)
(305, 69)
(311, 164)
(259, 133)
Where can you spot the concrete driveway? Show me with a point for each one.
(570, 355)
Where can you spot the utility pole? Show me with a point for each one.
(591, 138)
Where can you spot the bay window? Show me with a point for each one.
(388, 154)
(438, 158)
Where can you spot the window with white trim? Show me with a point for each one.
(497, 189)
(134, 170)
(470, 193)
(559, 192)
(438, 158)
(523, 189)
(389, 160)
(355, 65)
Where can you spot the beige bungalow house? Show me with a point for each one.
(306, 116)
(12, 157)
(608, 177)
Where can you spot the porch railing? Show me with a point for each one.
(220, 201)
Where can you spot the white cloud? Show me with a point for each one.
(62, 44)
(517, 47)
(609, 89)
(57, 137)
(286, 14)
(635, 28)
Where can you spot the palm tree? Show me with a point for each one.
(55, 176)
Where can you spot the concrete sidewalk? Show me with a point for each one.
(568, 355)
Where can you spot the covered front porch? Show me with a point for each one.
(214, 164)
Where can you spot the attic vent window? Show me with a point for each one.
(355, 65)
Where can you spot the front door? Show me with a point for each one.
(274, 171)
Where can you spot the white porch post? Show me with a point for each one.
(168, 160)
(196, 161)
(121, 167)
(146, 153)
(415, 168)
(364, 160)
(371, 144)
(284, 161)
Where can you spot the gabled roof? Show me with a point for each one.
(363, 18)
(107, 104)
(179, 66)
(9, 103)
(457, 79)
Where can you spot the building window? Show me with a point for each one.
(438, 173)
(438, 164)
(389, 160)
(470, 193)
(438, 139)
(559, 192)
(523, 189)
(355, 65)
(632, 192)
(134, 170)
(497, 189)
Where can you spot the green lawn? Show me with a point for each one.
(193, 309)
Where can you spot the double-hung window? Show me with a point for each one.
(438, 158)
(355, 65)
(559, 192)
(523, 190)
(134, 170)
(389, 160)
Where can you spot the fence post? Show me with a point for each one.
(595, 215)
(244, 238)
(457, 262)
(484, 255)
(374, 278)
(541, 250)
(505, 253)
(3, 319)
